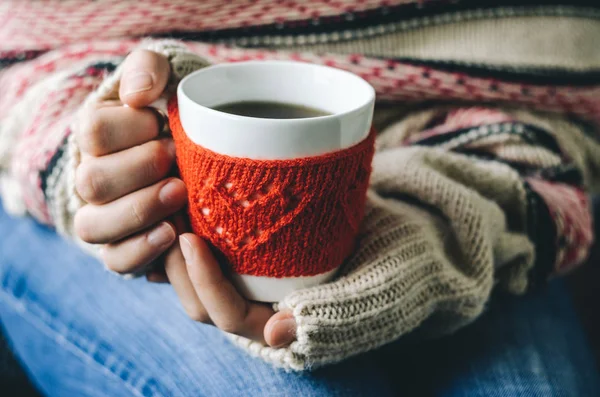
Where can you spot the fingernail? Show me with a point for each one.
(135, 82)
(161, 235)
(286, 331)
(186, 248)
(166, 193)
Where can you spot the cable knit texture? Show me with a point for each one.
(263, 214)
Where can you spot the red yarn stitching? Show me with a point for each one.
(275, 218)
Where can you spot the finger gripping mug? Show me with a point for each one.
(280, 199)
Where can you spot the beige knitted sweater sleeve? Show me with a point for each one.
(428, 252)
(435, 241)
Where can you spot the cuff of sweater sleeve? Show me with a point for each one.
(426, 261)
(279, 357)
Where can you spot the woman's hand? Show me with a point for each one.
(124, 172)
(209, 297)
(123, 177)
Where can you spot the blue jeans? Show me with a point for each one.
(81, 331)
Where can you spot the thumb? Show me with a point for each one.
(145, 76)
(280, 330)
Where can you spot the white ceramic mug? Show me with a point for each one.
(347, 98)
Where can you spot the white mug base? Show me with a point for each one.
(270, 289)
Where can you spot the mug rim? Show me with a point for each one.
(181, 93)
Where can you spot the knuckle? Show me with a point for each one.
(120, 259)
(145, 53)
(197, 313)
(142, 58)
(229, 326)
(158, 160)
(120, 267)
(83, 126)
(235, 322)
(82, 226)
(110, 263)
(93, 136)
(137, 54)
(139, 215)
(89, 183)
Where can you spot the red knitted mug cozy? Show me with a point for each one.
(275, 218)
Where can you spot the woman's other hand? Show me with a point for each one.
(124, 171)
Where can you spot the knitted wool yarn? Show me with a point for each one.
(487, 190)
(275, 218)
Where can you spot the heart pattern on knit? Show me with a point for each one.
(275, 218)
(257, 216)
